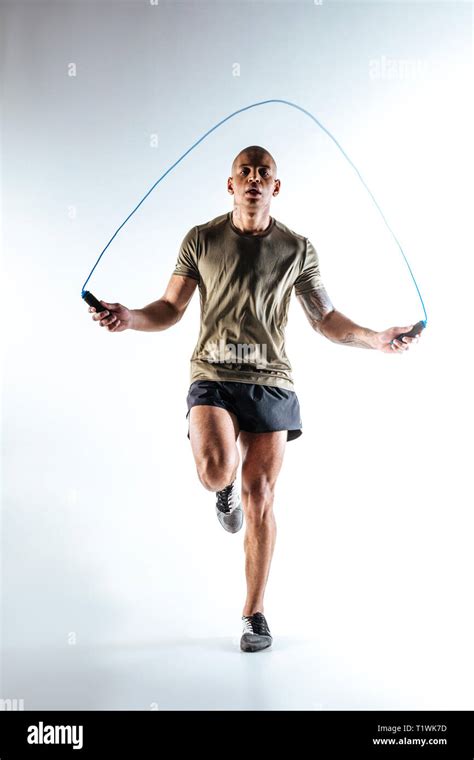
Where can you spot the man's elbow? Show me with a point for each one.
(324, 321)
(175, 312)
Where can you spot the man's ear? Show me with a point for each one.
(230, 189)
(277, 187)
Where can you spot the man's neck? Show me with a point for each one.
(251, 222)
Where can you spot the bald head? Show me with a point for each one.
(252, 155)
(253, 183)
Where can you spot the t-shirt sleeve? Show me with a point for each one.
(187, 261)
(310, 276)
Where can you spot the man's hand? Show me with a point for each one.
(386, 340)
(115, 317)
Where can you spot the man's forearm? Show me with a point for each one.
(158, 315)
(340, 329)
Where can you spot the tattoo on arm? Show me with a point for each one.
(316, 304)
(332, 324)
(351, 340)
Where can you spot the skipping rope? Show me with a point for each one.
(92, 301)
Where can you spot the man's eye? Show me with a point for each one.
(263, 172)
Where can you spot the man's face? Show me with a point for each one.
(253, 182)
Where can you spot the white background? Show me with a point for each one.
(110, 544)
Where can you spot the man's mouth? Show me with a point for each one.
(253, 192)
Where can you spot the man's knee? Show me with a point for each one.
(258, 495)
(216, 471)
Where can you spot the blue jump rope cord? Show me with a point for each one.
(241, 110)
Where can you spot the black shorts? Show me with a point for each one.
(258, 408)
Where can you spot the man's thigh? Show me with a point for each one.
(262, 457)
(213, 432)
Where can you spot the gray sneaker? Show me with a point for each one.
(229, 508)
(256, 633)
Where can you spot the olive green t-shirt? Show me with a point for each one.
(245, 284)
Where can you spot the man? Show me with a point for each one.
(246, 264)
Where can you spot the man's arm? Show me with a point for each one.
(338, 328)
(156, 316)
(169, 309)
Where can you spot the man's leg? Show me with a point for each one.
(262, 458)
(213, 432)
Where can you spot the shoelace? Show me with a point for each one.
(223, 499)
(256, 623)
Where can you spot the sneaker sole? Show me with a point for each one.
(254, 643)
(236, 520)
